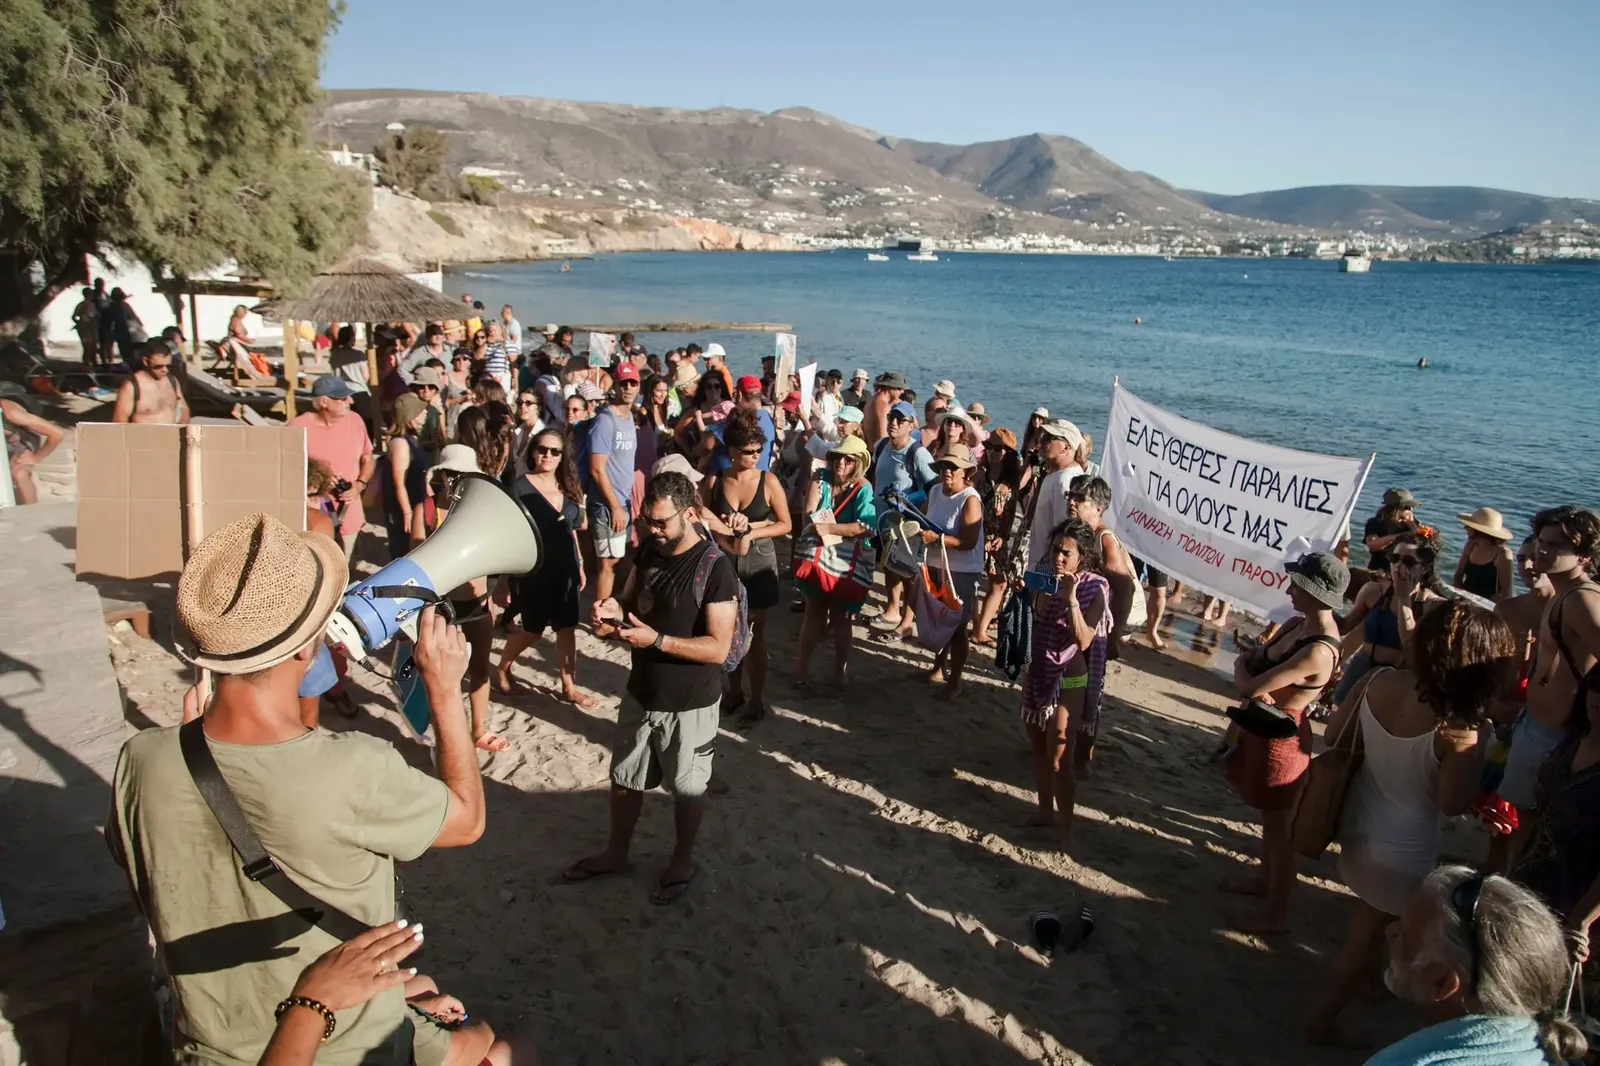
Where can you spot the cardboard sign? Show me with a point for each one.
(1220, 512)
(602, 348)
(808, 385)
(783, 366)
(131, 494)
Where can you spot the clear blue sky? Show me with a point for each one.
(1227, 96)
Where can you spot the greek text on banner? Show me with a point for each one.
(1220, 512)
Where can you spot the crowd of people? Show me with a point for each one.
(685, 504)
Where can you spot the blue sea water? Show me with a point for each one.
(1286, 351)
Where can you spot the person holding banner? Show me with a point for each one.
(1267, 769)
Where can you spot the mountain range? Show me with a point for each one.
(804, 171)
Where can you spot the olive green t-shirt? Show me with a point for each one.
(335, 810)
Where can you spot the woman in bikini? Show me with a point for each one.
(1268, 772)
(1066, 672)
(548, 598)
(745, 508)
(1387, 610)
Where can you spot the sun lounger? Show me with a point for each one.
(203, 388)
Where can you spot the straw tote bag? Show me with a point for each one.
(841, 571)
(1316, 819)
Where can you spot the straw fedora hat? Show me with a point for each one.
(256, 592)
(1488, 521)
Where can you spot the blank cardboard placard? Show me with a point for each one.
(130, 489)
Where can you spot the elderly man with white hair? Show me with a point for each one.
(1487, 963)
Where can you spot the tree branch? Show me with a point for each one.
(74, 270)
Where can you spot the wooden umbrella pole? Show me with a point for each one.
(291, 366)
(194, 531)
(372, 360)
(194, 335)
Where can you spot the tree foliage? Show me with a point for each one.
(412, 160)
(174, 132)
(480, 188)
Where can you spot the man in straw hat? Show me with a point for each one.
(333, 810)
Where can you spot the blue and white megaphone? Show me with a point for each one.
(488, 531)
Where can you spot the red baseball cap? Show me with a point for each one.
(748, 384)
(791, 402)
(627, 372)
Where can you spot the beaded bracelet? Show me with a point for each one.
(310, 1004)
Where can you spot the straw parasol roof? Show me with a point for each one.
(366, 290)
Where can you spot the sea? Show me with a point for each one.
(1291, 352)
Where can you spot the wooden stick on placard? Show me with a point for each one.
(194, 528)
(291, 366)
(194, 336)
(372, 360)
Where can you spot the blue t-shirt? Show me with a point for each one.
(719, 458)
(890, 471)
(616, 438)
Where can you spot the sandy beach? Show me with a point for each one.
(865, 885)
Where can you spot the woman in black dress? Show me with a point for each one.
(548, 597)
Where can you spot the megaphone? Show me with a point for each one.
(488, 531)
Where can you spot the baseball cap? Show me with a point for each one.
(427, 375)
(715, 349)
(791, 402)
(747, 383)
(904, 410)
(1041, 412)
(676, 464)
(334, 386)
(627, 372)
(1063, 430)
(850, 414)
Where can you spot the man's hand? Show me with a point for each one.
(441, 651)
(637, 633)
(355, 971)
(350, 495)
(619, 520)
(607, 611)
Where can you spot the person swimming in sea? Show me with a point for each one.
(1422, 364)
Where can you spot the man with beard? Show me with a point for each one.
(678, 610)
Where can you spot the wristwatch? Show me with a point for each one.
(656, 644)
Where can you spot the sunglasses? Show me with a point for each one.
(526, 403)
(1408, 561)
(747, 451)
(659, 525)
(1464, 901)
(545, 449)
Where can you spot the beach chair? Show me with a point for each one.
(201, 388)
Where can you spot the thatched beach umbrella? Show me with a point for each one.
(360, 290)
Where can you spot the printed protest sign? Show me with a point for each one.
(602, 346)
(783, 366)
(1220, 512)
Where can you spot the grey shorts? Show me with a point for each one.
(660, 747)
(608, 543)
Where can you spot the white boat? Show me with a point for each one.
(923, 257)
(1354, 262)
(876, 257)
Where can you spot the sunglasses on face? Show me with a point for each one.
(526, 403)
(1407, 561)
(545, 449)
(659, 525)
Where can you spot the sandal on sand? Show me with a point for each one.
(581, 871)
(669, 892)
(731, 702)
(751, 716)
(487, 741)
(884, 621)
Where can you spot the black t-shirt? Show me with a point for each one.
(1380, 527)
(666, 603)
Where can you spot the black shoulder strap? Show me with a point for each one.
(258, 865)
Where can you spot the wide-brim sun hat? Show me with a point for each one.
(1488, 521)
(255, 592)
(1322, 576)
(851, 446)
(977, 412)
(676, 464)
(956, 455)
(457, 458)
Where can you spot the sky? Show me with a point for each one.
(1226, 96)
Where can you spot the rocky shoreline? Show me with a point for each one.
(424, 234)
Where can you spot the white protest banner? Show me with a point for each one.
(783, 347)
(808, 384)
(783, 366)
(602, 347)
(1219, 512)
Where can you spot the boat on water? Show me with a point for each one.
(877, 257)
(923, 257)
(1354, 262)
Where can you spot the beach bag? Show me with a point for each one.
(1316, 819)
(904, 553)
(841, 571)
(1138, 611)
(937, 608)
(741, 625)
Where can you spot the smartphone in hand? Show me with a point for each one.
(1040, 582)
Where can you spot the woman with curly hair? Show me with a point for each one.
(1065, 675)
(487, 430)
(548, 597)
(1388, 609)
(1419, 725)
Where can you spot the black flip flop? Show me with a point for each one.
(588, 874)
(667, 886)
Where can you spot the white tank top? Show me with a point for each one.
(945, 513)
(1392, 803)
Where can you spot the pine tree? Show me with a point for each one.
(173, 132)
